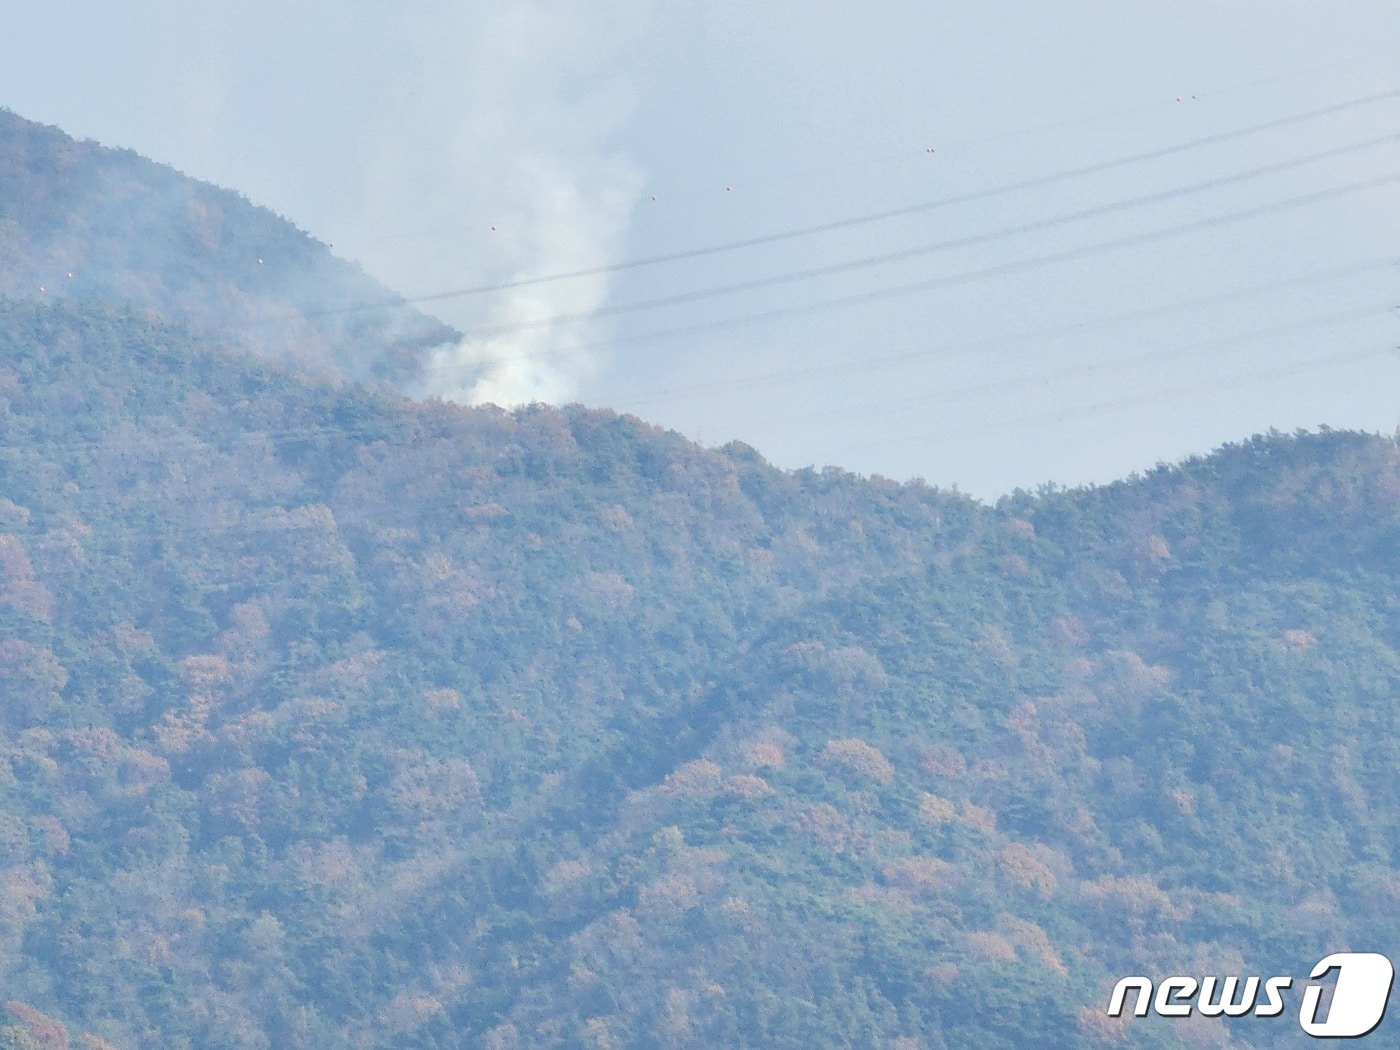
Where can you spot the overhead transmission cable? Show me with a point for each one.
(1023, 337)
(963, 277)
(1151, 397)
(1197, 96)
(216, 442)
(1033, 379)
(253, 522)
(875, 217)
(905, 254)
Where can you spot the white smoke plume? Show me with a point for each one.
(442, 144)
(565, 223)
(522, 180)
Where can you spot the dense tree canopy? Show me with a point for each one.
(335, 719)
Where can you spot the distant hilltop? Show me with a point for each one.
(81, 221)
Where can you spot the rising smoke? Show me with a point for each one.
(441, 144)
(566, 221)
(507, 157)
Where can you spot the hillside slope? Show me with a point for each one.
(334, 720)
(81, 221)
(329, 718)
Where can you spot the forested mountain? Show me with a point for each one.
(335, 719)
(87, 223)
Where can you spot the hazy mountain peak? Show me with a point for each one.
(81, 221)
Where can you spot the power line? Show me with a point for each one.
(906, 254)
(252, 521)
(1043, 378)
(218, 443)
(965, 277)
(250, 524)
(1022, 337)
(1152, 397)
(874, 217)
(1196, 96)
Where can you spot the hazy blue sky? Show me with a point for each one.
(593, 134)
